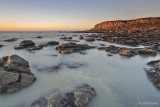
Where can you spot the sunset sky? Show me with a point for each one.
(56, 15)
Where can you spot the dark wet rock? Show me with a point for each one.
(68, 48)
(81, 37)
(39, 37)
(90, 39)
(146, 51)
(112, 49)
(101, 48)
(83, 53)
(80, 97)
(30, 49)
(154, 72)
(156, 46)
(1, 46)
(26, 43)
(66, 38)
(109, 54)
(15, 74)
(102, 44)
(53, 43)
(59, 66)
(11, 40)
(19, 47)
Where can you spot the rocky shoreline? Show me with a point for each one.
(15, 73)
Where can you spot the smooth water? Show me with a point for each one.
(119, 81)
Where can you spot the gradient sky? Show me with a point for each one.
(30, 15)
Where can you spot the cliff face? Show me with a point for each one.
(128, 25)
(144, 31)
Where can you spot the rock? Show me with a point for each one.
(15, 74)
(81, 37)
(26, 43)
(19, 47)
(126, 53)
(53, 43)
(156, 46)
(1, 46)
(11, 40)
(68, 48)
(154, 73)
(57, 67)
(81, 96)
(30, 49)
(26, 80)
(146, 51)
(38, 37)
(101, 48)
(109, 54)
(90, 39)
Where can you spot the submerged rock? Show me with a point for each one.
(80, 97)
(57, 67)
(15, 74)
(11, 40)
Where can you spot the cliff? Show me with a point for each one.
(139, 25)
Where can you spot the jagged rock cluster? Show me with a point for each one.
(15, 74)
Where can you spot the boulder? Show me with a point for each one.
(11, 40)
(15, 74)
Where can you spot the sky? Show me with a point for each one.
(67, 15)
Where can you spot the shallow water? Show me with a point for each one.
(119, 81)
